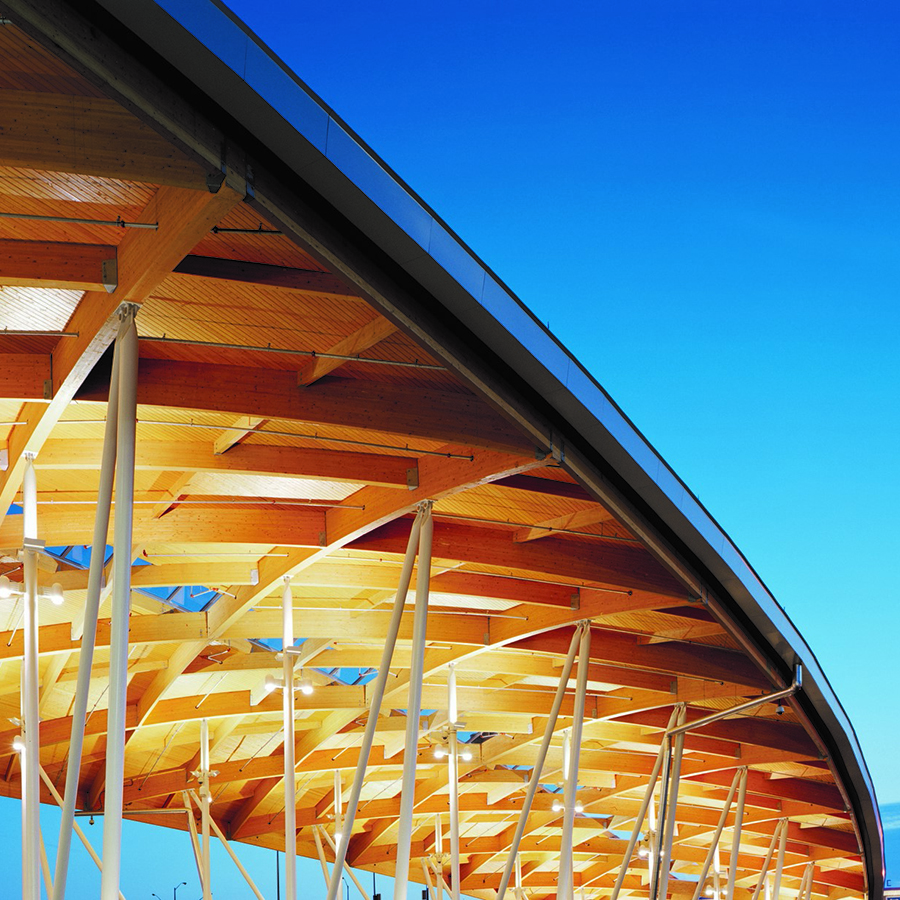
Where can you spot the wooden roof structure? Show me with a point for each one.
(319, 355)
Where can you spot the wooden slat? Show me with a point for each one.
(145, 257)
(89, 136)
(54, 264)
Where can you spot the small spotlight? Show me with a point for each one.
(5, 588)
(56, 594)
(18, 744)
(466, 755)
(306, 687)
(779, 710)
(337, 838)
(270, 683)
(644, 853)
(439, 752)
(579, 807)
(557, 806)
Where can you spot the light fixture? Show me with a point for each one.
(56, 594)
(579, 807)
(5, 588)
(439, 752)
(18, 744)
(643, 853)
(557, 806)
(306, 686)
(466, 755)
(270, 684)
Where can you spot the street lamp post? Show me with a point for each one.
(175, 890)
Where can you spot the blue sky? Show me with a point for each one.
(702, 200)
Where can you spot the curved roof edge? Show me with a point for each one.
(210, 47)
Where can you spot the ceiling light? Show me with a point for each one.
(557, 806)
(466, 755)
(439, 752)
(18, 744)
(270, 683)
(5, 588)
(306, 687)
(56, 594)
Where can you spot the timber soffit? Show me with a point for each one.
(235, 69)
(431, 254)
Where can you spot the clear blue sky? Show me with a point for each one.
(702, 199)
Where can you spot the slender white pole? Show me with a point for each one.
(453, 777)
(204, 808)
(89, 633)
(31, 758)
(518, 890)
(736, 836)
(378, 687)
(218, 832)
(539, 763)
(566, 888)
(671, 806)
(434, 893)
(717, 872)
(776, 835)
(45, 868)
(321, 852)
(413, 707)
(711, 856)
(75, 826)
(290, 784)
(121, 605)
(779, 863)
(338, 805)
(347, 868)
(811, 874)
(195, 841)
(646, 805)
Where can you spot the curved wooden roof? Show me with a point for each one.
(265, 449)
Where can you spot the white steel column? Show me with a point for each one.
(75, 826)
(779, 864)
(121, 604)
(31, 757)
(290, 784)
(736, 837)
(89, 632)
(204, 808)
(646, 805)
(539, 763)
(338, 805)
(414, 706)
(714, 844)
(378, 687)
(764, 872)
(218, 832)
(347, 868)
(668, 825)
(566, 888)
(453, 777)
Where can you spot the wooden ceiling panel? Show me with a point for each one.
(521, 552)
